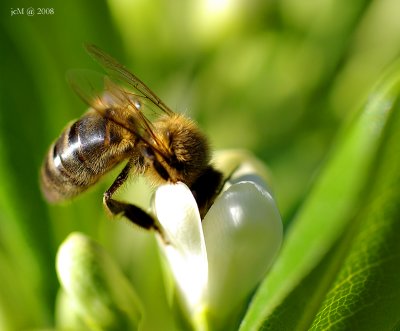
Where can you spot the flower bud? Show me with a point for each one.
(95, 286)
(218, 262)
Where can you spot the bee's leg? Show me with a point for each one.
(133, 213)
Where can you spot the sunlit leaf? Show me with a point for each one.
(339, 192)
(366, 292)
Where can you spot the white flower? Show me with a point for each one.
(212, 266)
(217, 263)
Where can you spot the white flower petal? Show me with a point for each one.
(243, 233)
(178, 215)
(241, 165)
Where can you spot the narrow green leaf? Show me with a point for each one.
(366, 293)
(332, 203)
(363, 264)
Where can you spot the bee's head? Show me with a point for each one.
(184, 151)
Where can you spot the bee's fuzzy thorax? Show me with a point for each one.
(187, 147)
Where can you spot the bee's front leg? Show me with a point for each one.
(133, 213)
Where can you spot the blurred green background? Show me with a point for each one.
(275, 77)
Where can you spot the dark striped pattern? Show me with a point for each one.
(86, 150)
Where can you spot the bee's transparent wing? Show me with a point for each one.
(121, 73)
(88, 85)
(124, 107)
(112, 102)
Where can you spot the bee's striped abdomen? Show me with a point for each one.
(86, 150)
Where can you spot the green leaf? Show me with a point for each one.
(313, 249)
(366, 292)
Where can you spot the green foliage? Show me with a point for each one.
(279, 78)
(335, 269)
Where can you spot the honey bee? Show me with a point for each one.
(117, 128)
